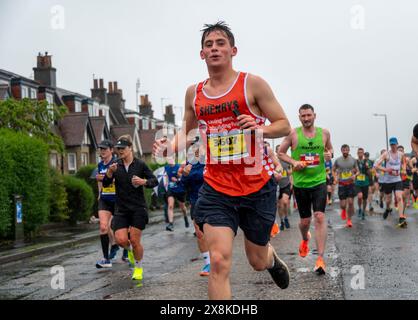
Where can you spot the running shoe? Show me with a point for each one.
(186, 222)
(274, 230)
(286, 223)
(205, 270)
(371, 209)
(363, 215)
(415, 205)
(131, 258)
(402, 223)
(381, 204)
(281, 225)
(349, 224)
(385, 214)
(359, 213)
(169, 227)
(125, 255)
(104, 263)
(320, 266)
(137, 274)
(303, 247)
(343, 214)
(279, 272)
(113, 250)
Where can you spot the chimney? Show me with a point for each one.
(44, 73)
(142, 100)
(110, 87)
(99, 93)
(169, 116)
(115, 86)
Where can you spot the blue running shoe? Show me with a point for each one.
(103, 264)
(125, 255)
(205, 270)
(286, 223)
(113, 250)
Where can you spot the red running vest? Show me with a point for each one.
(236, 164)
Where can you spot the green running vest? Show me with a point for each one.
(312, 152)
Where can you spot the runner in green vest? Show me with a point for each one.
(309, 145)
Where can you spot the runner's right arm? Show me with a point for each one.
(284, 146)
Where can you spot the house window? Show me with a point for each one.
(95, 109)
(25, 92)
(84, 159)
(72, 162)
(33, 94)
(50, 100)
(86, 139)
(152, 124)
(53, 160)
(77, 106)
(145, 124)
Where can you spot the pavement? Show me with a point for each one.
(57, 238)
(373, 260)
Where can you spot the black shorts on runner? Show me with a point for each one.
(415, 182)
(285, 190)
(348, 191)
(393, 187)
(364, 190)
(137, 219)
(106, 206)
(308, 198)
(254, 213)
(406, 184)
(180, 197)
(193, 211)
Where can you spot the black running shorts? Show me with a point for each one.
(254, 213)
(123, 220)
(346, 191)
(393, 187)
(311, 198)
(106, 205)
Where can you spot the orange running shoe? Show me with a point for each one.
(303, 247)
(319, 266)
(275, 230)
(349, 224)
(343, 214)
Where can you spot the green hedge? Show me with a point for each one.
(80, 199)
(84, 173)
(58, 202)
(24, 171)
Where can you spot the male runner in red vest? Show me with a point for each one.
(230, 109)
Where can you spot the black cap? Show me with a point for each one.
(123, 143)
(106, 144)
(367, 154)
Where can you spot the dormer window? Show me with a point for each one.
(77, 106)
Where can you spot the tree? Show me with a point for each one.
(34, 118)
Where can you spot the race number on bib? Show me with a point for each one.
(311, 160)
(109, 190)
(228, 146)
(361, 177)
(346, 175)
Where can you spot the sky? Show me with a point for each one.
(349, 59)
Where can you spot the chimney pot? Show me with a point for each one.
(110, 87)
(115, 86)
(95, 83)
(101, 83)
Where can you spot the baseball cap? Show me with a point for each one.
(393, 140)
(123, 143)
(106, 144)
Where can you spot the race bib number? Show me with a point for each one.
(111, 189)
(311, 160)
(229, 146)
(361, 177)
(346, 175)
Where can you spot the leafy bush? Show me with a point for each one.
(80, 199)
(58, 202)
(85, 173)
(25, 172)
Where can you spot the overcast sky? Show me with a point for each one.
(349, 59)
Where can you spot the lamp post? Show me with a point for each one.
(386, 126)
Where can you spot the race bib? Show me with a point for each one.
(346, 175)
(361, 177)
(284, 174)
(229, 146)
(311, 160)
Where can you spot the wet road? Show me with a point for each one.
(373, 260)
